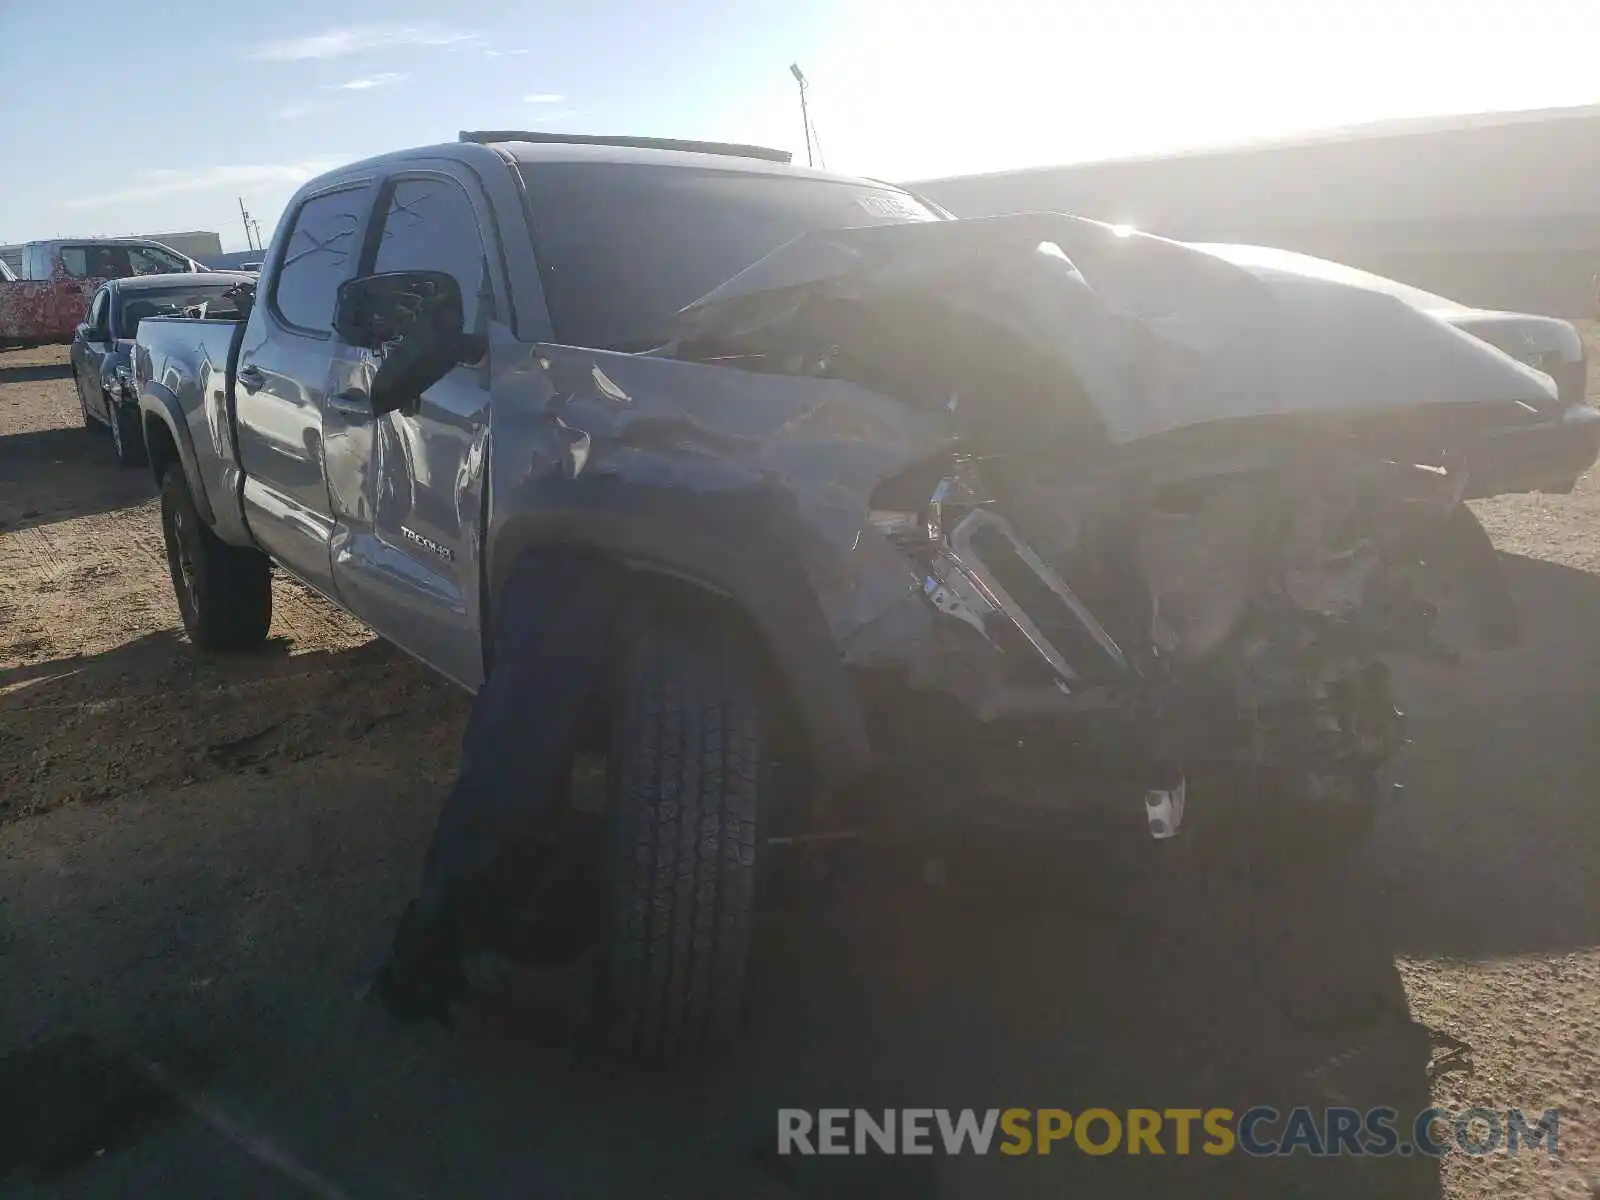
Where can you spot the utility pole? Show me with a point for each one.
(244, 216)
(805, 113)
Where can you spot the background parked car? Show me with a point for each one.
(236, 260)
(52, 290)
(103, 342)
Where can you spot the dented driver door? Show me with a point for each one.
(407, 487)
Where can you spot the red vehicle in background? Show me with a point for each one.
(51, 296)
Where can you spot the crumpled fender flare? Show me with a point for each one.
(157, 404)
(766, 586)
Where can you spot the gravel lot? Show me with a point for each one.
(202, 860)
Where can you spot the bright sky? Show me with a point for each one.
(119, 118)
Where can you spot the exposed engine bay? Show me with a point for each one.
(1239, 617)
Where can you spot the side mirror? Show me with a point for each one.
(82, 331)
(414, 319)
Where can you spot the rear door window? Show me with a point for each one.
(319, 253)
(95, 261)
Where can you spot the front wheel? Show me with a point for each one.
(224, 592)
(688, 750)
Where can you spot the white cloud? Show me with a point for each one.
(293, 112)
(505, 53)
(381, 79)
(356, 39)
(156, 184)
(544, 98)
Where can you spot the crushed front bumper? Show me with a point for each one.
(1548, 456)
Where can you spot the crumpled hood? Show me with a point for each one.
(1159, 335)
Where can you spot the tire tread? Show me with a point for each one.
(233, 585)
(688, 790)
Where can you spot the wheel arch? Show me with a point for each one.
(754, 583)
(167, 441)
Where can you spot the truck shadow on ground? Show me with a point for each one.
(153, 714)
(55, 474)
(874, 990)
(1493, 848)
(878, 991)
(35, 373)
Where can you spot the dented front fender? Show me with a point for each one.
(754, 486)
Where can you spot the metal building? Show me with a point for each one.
(1496, 209)
(198, 244)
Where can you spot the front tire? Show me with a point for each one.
(224, 592)
(689, 746)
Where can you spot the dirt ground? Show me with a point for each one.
(200, 861)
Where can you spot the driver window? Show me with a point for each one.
(428, 225)
(106, 262)
(99, 328)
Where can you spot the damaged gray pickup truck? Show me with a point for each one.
(1010, 515)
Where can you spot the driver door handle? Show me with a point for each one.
(250, 377)
(352, 404)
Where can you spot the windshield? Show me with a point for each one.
(133, 307)
(622, 246)
(153, 260)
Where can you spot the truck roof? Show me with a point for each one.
(735, 149)
(101, 241)
(589, 152)
(640, 151)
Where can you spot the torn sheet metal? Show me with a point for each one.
(807, 451)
